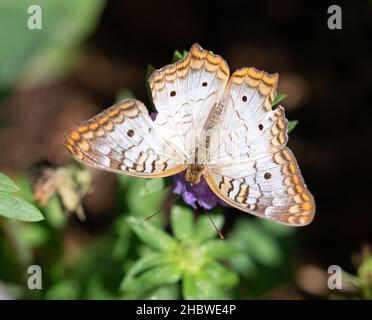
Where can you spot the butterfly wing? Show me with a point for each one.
(251, 168)
(184, 93)
(124, 139)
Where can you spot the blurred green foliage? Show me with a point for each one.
(39, 55)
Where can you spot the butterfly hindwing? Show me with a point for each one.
(270, 187)
(123, 139)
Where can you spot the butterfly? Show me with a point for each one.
(209, 124)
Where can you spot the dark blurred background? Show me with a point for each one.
(326, 75)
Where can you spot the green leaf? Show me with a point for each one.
(154, 237)
(182, 222)
(161, 275)
(204, 230)
(149, 70)
(279, 97)
(365, 277)
(195, 287)
(244, 265)
(257, 242)
(219, 249)
(25, 186)
(130, 188)
(150, 186)
(151, 260)
(276, 228)
(55, 215)
(97, 290)
(291, 125)
(34, 235)
(216, 273)
(124, 95)
(169, 292)
(6, 184)
(16, 208)
(177, 55)
(63, 290)
(123, 242)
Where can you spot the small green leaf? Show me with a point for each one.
(177, 55)
(169, 292)
(6, 184)
(162, 275)
(154, 237)
(279, 97)
(150, 69)
(124, 95)
(182, 222)
(149, 261)
(217, 273)
(204, 230)
(16, 208)
(291, 125)
(194, 287)
(217, 249)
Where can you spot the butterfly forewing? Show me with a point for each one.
(184, 93)
(123, 139)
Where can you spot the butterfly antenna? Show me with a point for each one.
(156, 212)
(220, 235)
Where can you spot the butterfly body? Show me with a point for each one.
(194, 173)
(210, 125)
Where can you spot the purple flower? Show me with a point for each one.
(200, 194)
